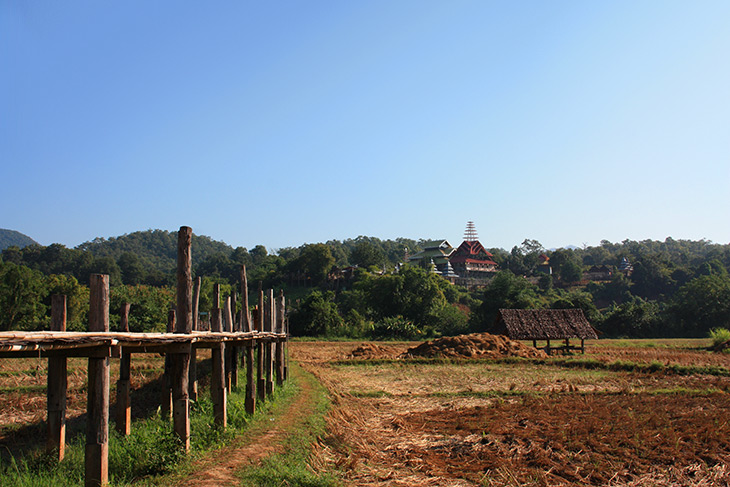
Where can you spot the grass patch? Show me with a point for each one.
(31, 388)
(291, 467)
(585, 363)
(145, 457)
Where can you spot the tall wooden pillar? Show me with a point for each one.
(193, 376)
(279, 328)
(180, 363)
(97, 410)
(227, 348)
(233, 359)
(57, 385)
(124, 402)
(166, 397)
(260, 374)
(218, 388)
(245, 315)
(270, 320)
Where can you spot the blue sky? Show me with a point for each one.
(283, 123)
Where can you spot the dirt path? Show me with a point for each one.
(264, 439)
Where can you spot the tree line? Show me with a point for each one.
(674, 287)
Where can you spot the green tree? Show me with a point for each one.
(636, 318)
(150, 306)
(504, 291)
(317, 315)
(581, 300)
(702, 304)
(77, 300)
(21, 293)
(365, 254)
(315, 261)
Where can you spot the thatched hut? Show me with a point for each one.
(545, 324)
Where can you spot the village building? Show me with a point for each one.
(473, 263)
(543, 265)
(436, 252)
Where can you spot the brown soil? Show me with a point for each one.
(522, 424)
(261, 441)
(371, 351)
(475, 345)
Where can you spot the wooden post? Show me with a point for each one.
(286, 345)
(124, 401)
(228, 328)
(166, 397)
(250, 398)
(233, 359)
(582, 345)
(57, 386)
(193, 377)
(180, 364)
(270, 321)
(261, 386)
(547, 347)
(216, 296)
(217, 378)
(245, 316)
(279, 342)
(96, 461)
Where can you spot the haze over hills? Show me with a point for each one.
(9, 238)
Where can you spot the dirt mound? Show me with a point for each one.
(475, 345)
(371, 351)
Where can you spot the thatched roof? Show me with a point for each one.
(544, 324)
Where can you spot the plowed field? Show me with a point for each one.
(411, 423)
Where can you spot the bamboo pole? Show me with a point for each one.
(57, 386)
(180, 366)
(124, 402)
(96, 461)
(217, 379)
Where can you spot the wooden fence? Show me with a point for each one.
(267, 332)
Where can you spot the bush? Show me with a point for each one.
(395, 328)
(719, 336)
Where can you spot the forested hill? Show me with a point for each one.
(156, 249)
(149, 257)
(9, 238)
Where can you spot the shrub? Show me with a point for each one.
(719, 336)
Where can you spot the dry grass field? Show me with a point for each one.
(399, 422)
(415, 423)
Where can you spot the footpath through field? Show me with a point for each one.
(266, 437)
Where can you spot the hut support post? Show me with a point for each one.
(582, 345)
(547, 347)
(124, 402)
(96, 458)
(57, 385)
(180, 363)
(218, 388)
